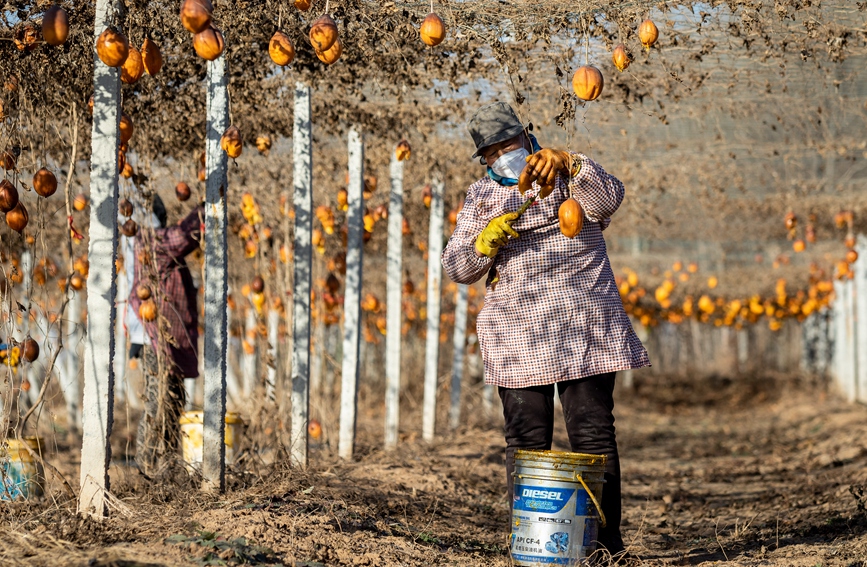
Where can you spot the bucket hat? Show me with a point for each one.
(493, 123)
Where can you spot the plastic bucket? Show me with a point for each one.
(22, 475)
(192, 435)
(556, 513)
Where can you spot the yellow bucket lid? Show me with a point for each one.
(15, 447)
(561, 457)
(197, 416)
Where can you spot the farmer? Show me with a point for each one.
(170, 349)
(552, 312)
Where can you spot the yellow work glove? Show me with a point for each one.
(545, 165)
(496, 234)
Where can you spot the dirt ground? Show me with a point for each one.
(759, 472)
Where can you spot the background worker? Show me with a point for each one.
(170, 350)
(552, 312)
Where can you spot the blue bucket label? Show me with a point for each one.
(583, 505)
(591, 532)
(548, 500)
(552, 525)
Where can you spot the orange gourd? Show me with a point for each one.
(323, 33)
(209, 43)
(55, 26)
(152, 57)
(433, 30)
(648, 34)
(587, 82)
(44, 183)
(133, 68)
(112, 47)
(621, 58)
(280, 49)
(571, 218)
(332, 55)
(18, 218)
(196, 15)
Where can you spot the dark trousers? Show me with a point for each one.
(588, 404)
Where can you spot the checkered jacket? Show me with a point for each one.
(552, 310)
(173, 289)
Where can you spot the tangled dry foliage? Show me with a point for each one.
(742, 111)
(725, 62)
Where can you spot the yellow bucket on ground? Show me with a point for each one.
(22, 475)
(192, 431)
(556, 513)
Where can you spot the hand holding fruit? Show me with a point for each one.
(496, 235)
(543, 167)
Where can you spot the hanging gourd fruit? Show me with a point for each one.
(231, 142)
(55, 26)
(8, 196)
(587, 82)
(648, 34)
(302, 5)
(112, 47)
(209, 44)
(7, 161)
(17, 218)
(133, 68)
(332, 55)
(323, 33)
(152, 57)
(621, 58)
(851, 256)
(280, 49)
(263, 144)
(126, 129)
(571, 218)
(29, 349)
(147, 311)
(129, 228)
(182, 191)
(80, 202)
(433, 30)
(125, 207)
(143, 292)
(403, 151)
(44, 183)
(196, 15)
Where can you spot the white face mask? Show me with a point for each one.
(511, 164)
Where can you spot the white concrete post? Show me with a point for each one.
(460, 347)
(215, 281)
(352, 303)
(70, 366)
(860, 284)
(844, 338)
(98, 401)
(303, 201)
(121, 346)
(233, 389)
(250, 364)
(434, 281)
(394, 293)
(273, 353)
